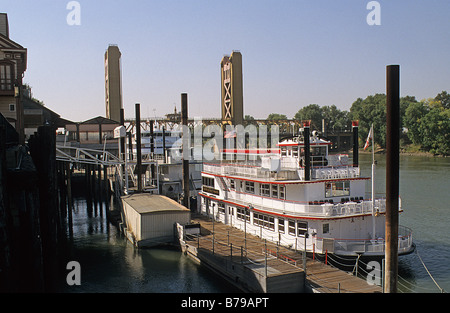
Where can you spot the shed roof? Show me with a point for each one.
(148, 203)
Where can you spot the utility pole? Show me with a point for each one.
(392, 175)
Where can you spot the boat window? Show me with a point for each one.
(208, 181)
(282, 192)
(250, 187)
(265, 190)
(325, 228)
(232, 186)
(302, 228)
(221, 207)
(283, 151)
(242, 214)
(337, 189)
(274, 191)
(291, 228)
(295, 151)
(281, 225)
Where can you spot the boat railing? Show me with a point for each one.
(357, 246)
(310, 209)
(287, 170)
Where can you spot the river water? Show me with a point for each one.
(109, 263)
(425, 193)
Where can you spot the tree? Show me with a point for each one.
(276, 116)
(435, 130)
(444, 99)
(371, 110)
(412, 121)
(335, 119)
(249, 118)
(311, 112)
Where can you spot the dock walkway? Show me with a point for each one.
(230, 242)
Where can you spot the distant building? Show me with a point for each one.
(174, 117)
(232, 89)
(92, 132)
(113, 83)
(13, 64)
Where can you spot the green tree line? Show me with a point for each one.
(424, 124)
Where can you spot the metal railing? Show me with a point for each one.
(358, 246)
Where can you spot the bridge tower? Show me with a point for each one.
(232, 89)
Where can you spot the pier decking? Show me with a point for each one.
(269, 259)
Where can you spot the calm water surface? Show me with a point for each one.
(425, 193)
(109, 263)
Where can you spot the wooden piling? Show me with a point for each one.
(392, 175)
(184, 119)
(138, 147)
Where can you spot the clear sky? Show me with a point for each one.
(294, 52)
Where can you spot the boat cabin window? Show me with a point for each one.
(291, 228)
(295, 151)
(208, 181)
(265, 190)
(250, 187)
(283, 151)
(325, 228)
(232, 186)
(281, 225)
(337, 189)
(242, 214)
(281, 188)
(302, 228)
(275, 191)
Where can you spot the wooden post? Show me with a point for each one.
(43, 152)
(69, 197)
(392, 175)
(138, 148)
(186, 139)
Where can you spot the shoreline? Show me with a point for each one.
(404, 151)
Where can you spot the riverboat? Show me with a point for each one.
(299, 196)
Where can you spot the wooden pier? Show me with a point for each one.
(230, 243)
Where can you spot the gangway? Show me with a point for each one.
(125, 173)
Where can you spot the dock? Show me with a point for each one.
(233, 248)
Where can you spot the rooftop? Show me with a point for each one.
(148, 203)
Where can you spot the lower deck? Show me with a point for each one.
(352, 235)
(320, 277)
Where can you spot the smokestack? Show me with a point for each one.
(306, 126)
(355, 125)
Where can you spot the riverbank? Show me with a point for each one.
(410, 150)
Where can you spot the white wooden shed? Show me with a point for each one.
(150, 219)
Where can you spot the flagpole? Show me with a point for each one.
(373, 183)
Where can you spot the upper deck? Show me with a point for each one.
(285, 163)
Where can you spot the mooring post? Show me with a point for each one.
(186, 152)
(392, 175)
(70, 202)
(138, 148)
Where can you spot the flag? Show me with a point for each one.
(370, 136)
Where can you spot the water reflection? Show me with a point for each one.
(109, 263)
